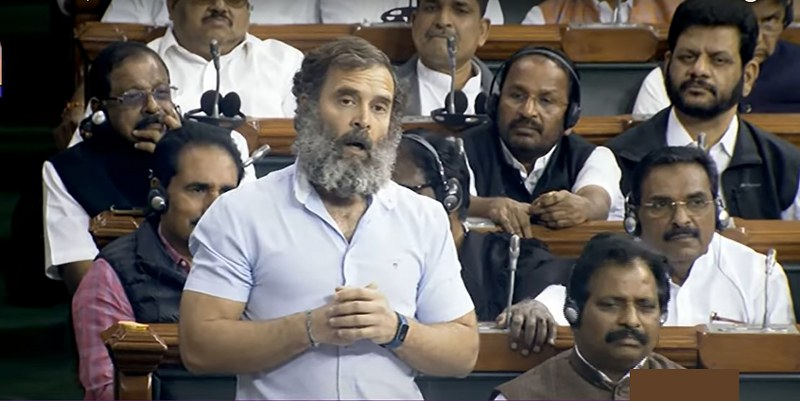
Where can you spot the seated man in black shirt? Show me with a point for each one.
(434, 166)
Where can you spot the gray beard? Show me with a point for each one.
(320, 155)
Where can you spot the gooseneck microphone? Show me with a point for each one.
(214, 47)
(451, 58)
(257, 155)
(513, 257)
(768, 267)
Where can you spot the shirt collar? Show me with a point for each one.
(596, 376)
(678, 136)
(302, 189)
(169, 41)
(538, 166)
(173, 254)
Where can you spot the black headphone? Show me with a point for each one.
(157, 199)
(789, 14)
(452, 198)
(573, 109)
(631, 221)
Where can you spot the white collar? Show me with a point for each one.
(538, 166)
(605, 377)
(678, 136)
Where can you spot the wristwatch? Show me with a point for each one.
(399, 335)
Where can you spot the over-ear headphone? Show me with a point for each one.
(452, 193)
(631, 221)
(229, 107)
(573, 113)
(157, 199)
(573, 315)
(789, 15)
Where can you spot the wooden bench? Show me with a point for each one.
(584, 45)
(138, 351)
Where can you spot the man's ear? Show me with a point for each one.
(749, 75)
(665, 64)
(171, 7)
(486, 23)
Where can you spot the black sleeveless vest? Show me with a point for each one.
(105, 171)
(152, 280)
(494, 176)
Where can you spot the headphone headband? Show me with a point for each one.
(451, 188)
(574, 107)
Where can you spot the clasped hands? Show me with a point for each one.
(354, 314)
(557, 209)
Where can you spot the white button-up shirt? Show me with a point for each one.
(606, 13)
(600, 169)
(260, 71)
(434, 87)
(728, 280)
(273, 246)
(370, 11)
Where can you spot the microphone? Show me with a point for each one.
(772, 256)
(701, 141)
(214, 47)
(451, 58)
(257, 155)
(452, 115)
(513, 256)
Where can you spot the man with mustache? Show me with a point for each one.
(259, 71)
(356, 12)
(527, 166)
(673, 208)
(617, 303)
(427, 74)
(140, 276)
(338, 283)
(710, 67)
(777, 88)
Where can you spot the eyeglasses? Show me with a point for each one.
(663, 207)
(232, 3)
(138, 98)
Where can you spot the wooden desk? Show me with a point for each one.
(138, 352)
(397, 44)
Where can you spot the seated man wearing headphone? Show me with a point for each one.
(140, 276)
(675, 208)
(434, 166)
(527, 167)
(618, 294)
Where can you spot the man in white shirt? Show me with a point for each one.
(427, 75)
(354, 11)
(674, 208)
(526, 166)
(340, 284)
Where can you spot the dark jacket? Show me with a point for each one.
(777, 89)
(494, 176)
(152, 280)
(760, 182)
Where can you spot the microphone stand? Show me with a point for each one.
(513, 257)
(451, 57)
(770, 264)
(215, 57)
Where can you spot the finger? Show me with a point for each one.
(529, 335)
(150, 135)
(353, 308)
(540, 337)
(515, 331)
(500, 321)
(355, 294)
(506, 225)
(172, 121)
(551, 330)
(355, 333)
(372, 286)
(522, 221)
(148, 147)
(353, 321)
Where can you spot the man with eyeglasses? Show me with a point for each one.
(525, 164)
(673, 208)
(130, 91)
(710, 67)
(777, 89)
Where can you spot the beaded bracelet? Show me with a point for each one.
(314, 343)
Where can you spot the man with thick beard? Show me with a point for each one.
(710, 67)
(326, 280)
